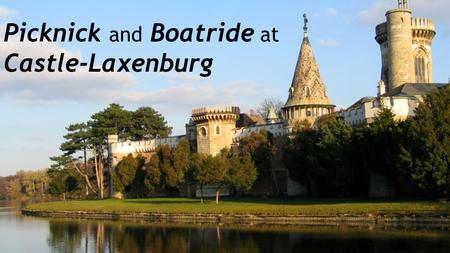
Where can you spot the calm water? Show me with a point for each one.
(27, 234)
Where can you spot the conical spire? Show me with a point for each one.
(307, 86)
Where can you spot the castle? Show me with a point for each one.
(406, 75)
(211, 129)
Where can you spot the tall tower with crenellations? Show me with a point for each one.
(213, 128)
(405, 44)
(308, 98)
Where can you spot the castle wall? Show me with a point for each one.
(118, 150)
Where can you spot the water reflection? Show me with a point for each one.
(29, 234)
(109, 236)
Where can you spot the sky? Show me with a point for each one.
(35, 108)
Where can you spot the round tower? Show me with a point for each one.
(308, 97)
(423, 32)
(405, 45)
(399, 46)
(214, 127)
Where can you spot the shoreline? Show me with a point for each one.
(368, 219)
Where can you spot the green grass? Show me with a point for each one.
(270, 206)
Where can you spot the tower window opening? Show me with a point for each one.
(307, 92)
(203, 131)
(420, 69)
(217, 130)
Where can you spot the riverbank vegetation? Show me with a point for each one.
(268, 206)
(333, 160)
(412, 156)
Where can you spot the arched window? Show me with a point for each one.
(421, 66)
(203, 131)
(218, 130)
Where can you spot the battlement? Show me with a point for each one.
(423, 28)
(131, 147)
(215, 110)
(215, 113)
(422, 23)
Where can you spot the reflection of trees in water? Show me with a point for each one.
(64, 237)
(67, 236)
(119, 237)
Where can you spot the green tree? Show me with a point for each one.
(77, 140)
(426, 155)
(148, 123)
(112, 120)
(301, 160)
(125, 172)
(335, 175)
(199, 171)
(260, 147)
(242, 173)
(152, 177)
(62, 183)
(180, 156)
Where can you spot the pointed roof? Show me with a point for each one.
(272, 115)
(307, 86)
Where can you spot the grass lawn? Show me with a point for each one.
(275, 206)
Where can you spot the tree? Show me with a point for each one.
(268, 104)
(125, 172)
(426, 155)
(113, 120)
(199, 171)
(77, 139)
(152, 177)
(148, 123)
(242, 173)
(320, 158)
(259, 146)
(217, 171)
(301, 160)
(181, 162)
(62, 182)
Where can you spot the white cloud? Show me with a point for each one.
(332, 12)
(6, 13)
(328, 43)
(434, 9)
(182, 90)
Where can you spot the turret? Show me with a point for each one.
(308, 98)
(214, 127)
(405, 45)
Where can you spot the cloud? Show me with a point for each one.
(332, 12)
(434, 9)
(328, 43)
(375, 13)
(45, 88)
(6, 13)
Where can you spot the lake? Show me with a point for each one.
(29, 234)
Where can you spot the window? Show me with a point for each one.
(308, 113)
(420, 66)
(203, 131)
(217, 130)
(307, 92)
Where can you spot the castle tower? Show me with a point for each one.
(405, 45)
(308, 98)
(214, 127)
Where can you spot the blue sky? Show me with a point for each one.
(35, 108)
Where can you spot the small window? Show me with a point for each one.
(218, 130)
(308, 113)
(203, 131)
